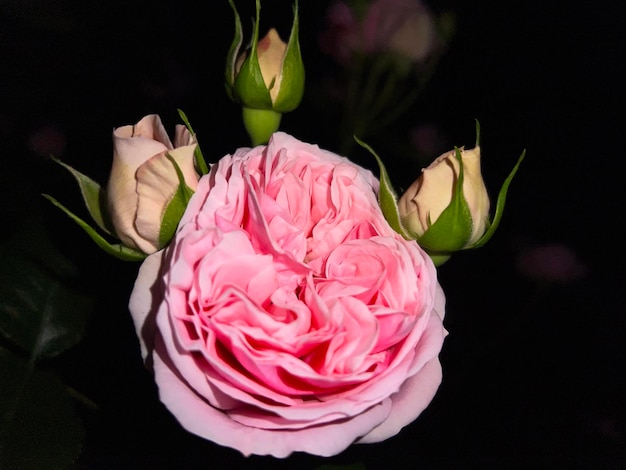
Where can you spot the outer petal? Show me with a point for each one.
(183, 137)
(417, 391)
(151, 127)
(132, 147)
(144, 301)
(157, 181)
(195, 415)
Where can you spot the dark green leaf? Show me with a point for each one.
(41, 312)
(39, 427)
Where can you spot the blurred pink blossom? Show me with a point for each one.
(406, 28)
(551, 262)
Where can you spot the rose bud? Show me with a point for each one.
(144, 181)
(425, 200)
(267, 79)
(447, 208)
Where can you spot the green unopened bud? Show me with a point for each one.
(268, 76)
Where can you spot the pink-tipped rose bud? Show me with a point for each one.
(270, 52)
(422, 204)
(143, 180)
(266, 78)
(268, 75)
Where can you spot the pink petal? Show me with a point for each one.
(195, 415)
(413, 398)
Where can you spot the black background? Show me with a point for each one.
(534, 374)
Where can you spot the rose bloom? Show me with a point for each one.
(286, 315)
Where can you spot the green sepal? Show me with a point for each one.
(387, 197)
(292, 72)
(233, 52)
(493, 225)
(175, 208)
(197, 153)
(453, 228)
(40, 426)
(249, 86)
(93, 196)
(118, 250)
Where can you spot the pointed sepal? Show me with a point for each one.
(495, 222)
(93, 196)
(117, 250)
(249, 85)
(199, 158)
(233, 53)
(387, 197)
(175, 208)
(292, 84)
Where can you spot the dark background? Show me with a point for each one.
(534, 372)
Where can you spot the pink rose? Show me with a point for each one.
(286, 315)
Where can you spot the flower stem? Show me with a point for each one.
(260, 124)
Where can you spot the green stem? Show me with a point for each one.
(260, 124)
(346, 128)
(364, 99)
(409, 99)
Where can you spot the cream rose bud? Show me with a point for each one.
(143, 180)
(422, 204)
